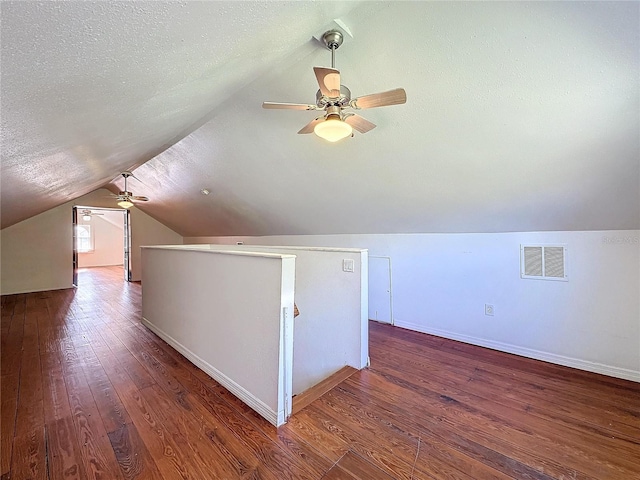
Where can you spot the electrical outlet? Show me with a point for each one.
(488, 309)
(348, 265)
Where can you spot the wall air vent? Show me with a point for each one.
(543, 262)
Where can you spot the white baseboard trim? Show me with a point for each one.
(586, 365)
(50, 289)
(273, 417)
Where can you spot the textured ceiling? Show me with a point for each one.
(520, 116)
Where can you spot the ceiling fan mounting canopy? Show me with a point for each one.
(334, 98)
(332, 39)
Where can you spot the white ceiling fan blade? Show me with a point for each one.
(139, 198)
(359, 123)
(288, 106)
(308, 128)
(328, 80)
(392, 97)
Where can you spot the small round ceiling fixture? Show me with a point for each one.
(205, 191)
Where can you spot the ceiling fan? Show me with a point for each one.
(87, 214)
(126, 198)
(335, 99)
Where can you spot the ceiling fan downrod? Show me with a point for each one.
(126, 175)
(332, 39)
(126, 191)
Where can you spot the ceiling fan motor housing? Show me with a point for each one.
(343, 100)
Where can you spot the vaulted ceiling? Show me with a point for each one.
(520, 116)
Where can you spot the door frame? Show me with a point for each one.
(391, 319)
(127, 239)
(74, 231)
(126, 264)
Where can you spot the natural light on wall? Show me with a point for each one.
(84, 238)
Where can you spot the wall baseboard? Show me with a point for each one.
(38, 290)
(101, 265)
(276, 418)
(586, 365)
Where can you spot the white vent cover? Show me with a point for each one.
(543, 262)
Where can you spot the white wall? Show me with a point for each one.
(37, 252)
(146, 230)
(108, 233)
(225, 312)
(332, 329)
(441, 283)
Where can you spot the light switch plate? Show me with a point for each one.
(347, 265)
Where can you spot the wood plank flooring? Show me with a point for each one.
(90, 393)
(304, 399)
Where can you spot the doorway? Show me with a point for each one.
(101, 238)
(380, 295)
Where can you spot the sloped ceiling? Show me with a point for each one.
(520, 116)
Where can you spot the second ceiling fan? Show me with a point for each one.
(87, 214)
(125, 198)
(335, 99)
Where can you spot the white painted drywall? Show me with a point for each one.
(225, 312)
(37, 252)
(108, 233)
(332, 328)
(441, 283)
(145, 230)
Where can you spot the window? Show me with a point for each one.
(84, 238)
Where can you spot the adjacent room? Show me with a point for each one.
(100, 240)
(172, 172)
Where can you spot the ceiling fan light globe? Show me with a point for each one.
(333, 129)
(125, 204)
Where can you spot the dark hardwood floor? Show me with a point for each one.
(88, 392)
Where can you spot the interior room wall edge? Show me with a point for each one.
(441, 284)
(36, 254)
